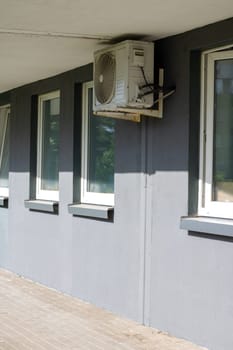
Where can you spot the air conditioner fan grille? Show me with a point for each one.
(104, 81)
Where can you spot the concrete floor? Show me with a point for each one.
(33, 317)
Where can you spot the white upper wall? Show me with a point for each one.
(25, 58)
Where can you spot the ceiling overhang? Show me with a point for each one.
(44, 38)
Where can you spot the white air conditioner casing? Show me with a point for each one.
(119, 75)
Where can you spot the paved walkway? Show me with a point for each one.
(33, 317)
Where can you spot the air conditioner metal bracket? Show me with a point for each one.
(135, 114)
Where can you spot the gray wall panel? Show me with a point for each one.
(191, 276)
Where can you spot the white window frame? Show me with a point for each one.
(89, 197)
(4, 191)
(43, 194)
(206, 206)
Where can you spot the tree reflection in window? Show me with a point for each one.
(101, 133)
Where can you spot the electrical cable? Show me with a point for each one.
(145, 79)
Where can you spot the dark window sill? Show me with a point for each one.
(3, 202)
(42, 205)
(92, 211)
(215, 226)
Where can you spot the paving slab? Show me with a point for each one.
(34, 317)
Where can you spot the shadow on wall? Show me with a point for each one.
(146, 147)
(210, 236)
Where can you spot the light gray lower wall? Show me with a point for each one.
(141, 265)
(3, 235)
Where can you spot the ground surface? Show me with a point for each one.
(33, 317)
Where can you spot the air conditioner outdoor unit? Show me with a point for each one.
(124, 76)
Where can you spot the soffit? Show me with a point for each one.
(27, 57)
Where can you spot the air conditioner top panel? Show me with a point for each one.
(124, 43)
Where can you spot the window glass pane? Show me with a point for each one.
(4, 147)
(223, 132)
(50, 144)
(100, 168)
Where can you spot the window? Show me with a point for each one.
(4, 149)
(216, 151)
(97, 182)
(48, 146)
